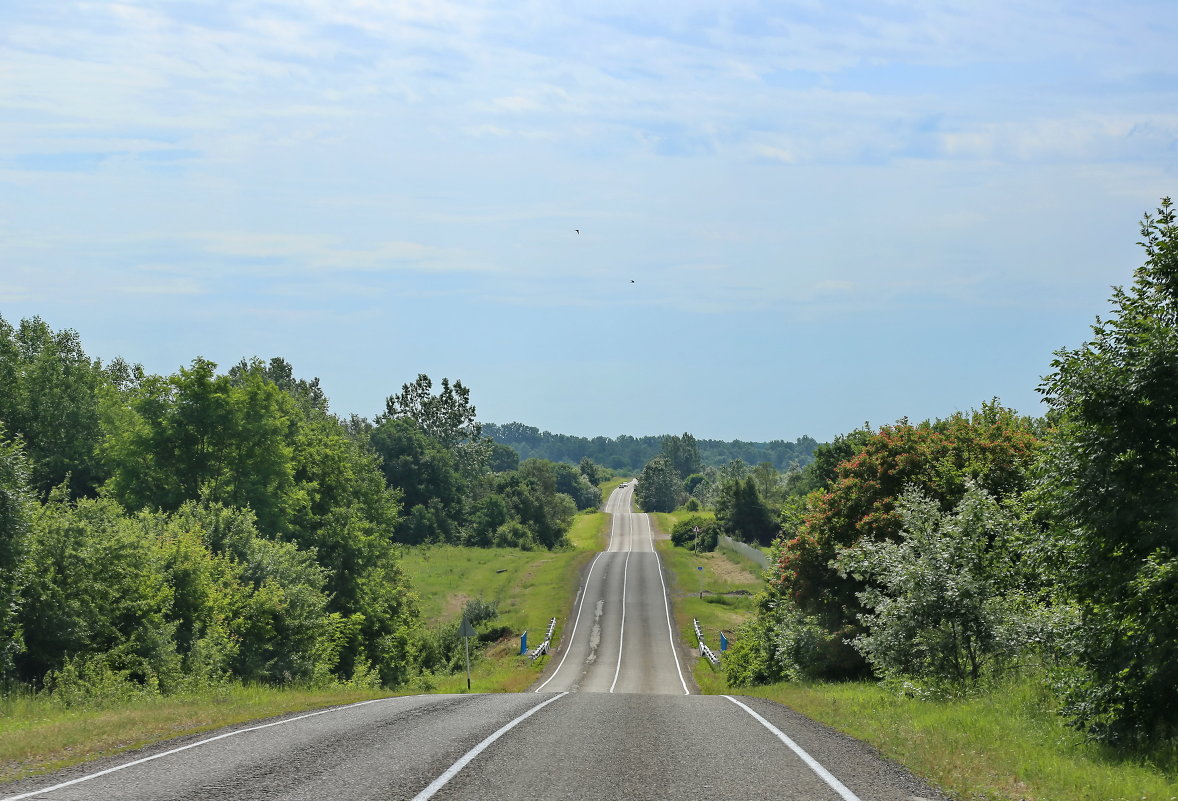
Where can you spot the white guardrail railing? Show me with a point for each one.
(542, 648)
(704, 650)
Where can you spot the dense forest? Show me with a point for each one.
(627, 454)
(952, 555)
(159, 533)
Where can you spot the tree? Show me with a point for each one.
(697, 533)
(993, 446)
(658, 486)
(938, 609)
(1109, 480)
(198, 435)
(572, 482)
(424, 471)
(537, 514)
(49, 391)
(280, 373)
(503, 458)
(448, 417)
(16, 508)
(743, 515)
(683, 454)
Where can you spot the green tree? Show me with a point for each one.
(697, 533)
(16, 508)
(424, 472)
(743, 515)
(939, 608)
(95, 587)
(49, 391)
(658, 486)
(448, 417)
(572, 482)
(683, 454)
(197, 435)
(503, 458)
(1109, 480)
(993, 446)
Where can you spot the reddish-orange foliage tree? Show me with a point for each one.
(993, 445)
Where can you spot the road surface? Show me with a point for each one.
(615, 716)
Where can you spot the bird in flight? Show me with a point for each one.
(578, 230)
(631, 280)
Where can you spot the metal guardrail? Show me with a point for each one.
(542, 648)
(707, 652)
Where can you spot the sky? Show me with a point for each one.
(794, 217)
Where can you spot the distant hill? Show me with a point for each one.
(629, 454)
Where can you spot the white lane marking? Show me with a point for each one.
(622, 633)
(452, 771)
(667, 607)
(576, 620)
(585, 595)
(810, 761)
(81, 779)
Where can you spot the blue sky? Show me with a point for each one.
(831, 213)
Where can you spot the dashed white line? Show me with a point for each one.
(573, 633)
(810, 761)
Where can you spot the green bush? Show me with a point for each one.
(700, 534)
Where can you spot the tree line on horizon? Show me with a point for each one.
(625, 454)
(951, 555)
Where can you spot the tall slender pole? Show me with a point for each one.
(467, 639)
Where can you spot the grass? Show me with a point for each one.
(1006, 745)
(38, 735)
(727, 582)
(530, 588)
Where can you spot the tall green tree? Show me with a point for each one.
(683, 454)
(447, 416)
(658, 486)
(16, 508)
(1110, 480)
(199, 435)
(49, 395)
(743, 515)
(424, 471)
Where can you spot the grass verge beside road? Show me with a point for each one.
(530, 588)
(38, 735)
(1006, 745)
(727, 582)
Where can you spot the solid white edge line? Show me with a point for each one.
(810, 761)
(573, 633)
(87, 778)
(622, 630)
(581, 606)
(666, 606)
(452, 771)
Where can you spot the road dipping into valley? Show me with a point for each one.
(622, 638)
(613, 716)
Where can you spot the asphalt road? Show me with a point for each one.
(614, 717)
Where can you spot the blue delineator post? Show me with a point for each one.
(723, 642)
(523, 643)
